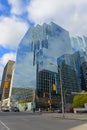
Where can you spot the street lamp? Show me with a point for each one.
(62, 100)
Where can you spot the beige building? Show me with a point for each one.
(6, 83)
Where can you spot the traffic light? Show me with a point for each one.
(6, 84)
(44, 94)
(49, 101)
(54, 87)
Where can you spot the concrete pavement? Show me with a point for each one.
(38, 121)
(73, 116)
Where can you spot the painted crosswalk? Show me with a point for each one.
(3, 126)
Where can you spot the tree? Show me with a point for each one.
(80, 100)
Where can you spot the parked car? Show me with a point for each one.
(5, 109)
(15, 109)
(69, 110)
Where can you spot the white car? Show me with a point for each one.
(5, 109)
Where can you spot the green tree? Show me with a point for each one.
(80, 100)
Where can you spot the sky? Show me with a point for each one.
(16, 16)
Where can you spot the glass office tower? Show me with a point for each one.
(40, 45)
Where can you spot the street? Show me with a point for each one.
(37, 121)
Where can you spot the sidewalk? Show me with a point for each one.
(67, 116)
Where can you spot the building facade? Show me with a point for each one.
(84, 75)
(45, 81)
(40, 46)
(24, 98)
(48, 90)
(6, 83)
(77, 63)
(79, 43)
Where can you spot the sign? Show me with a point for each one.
(6, 84)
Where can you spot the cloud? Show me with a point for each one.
(4, 59)
(8, 56)
(12, 31)
(69, 14)
(18, 6)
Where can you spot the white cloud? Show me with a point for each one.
(3, 61)
(8, 56)
(12, 31)
(17, 6)
(69, 14)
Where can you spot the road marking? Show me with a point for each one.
(4, 125)
(80, 127)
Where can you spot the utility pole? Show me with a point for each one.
(61, 87)
(50, 93)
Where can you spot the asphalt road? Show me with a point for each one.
(36, 121)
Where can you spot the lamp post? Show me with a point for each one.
(61, 88)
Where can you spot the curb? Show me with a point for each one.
(69, 116)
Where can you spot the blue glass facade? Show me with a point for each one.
(73, 62)
(79, 43)
(47, 44)
(45, 80)
(40, 46)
